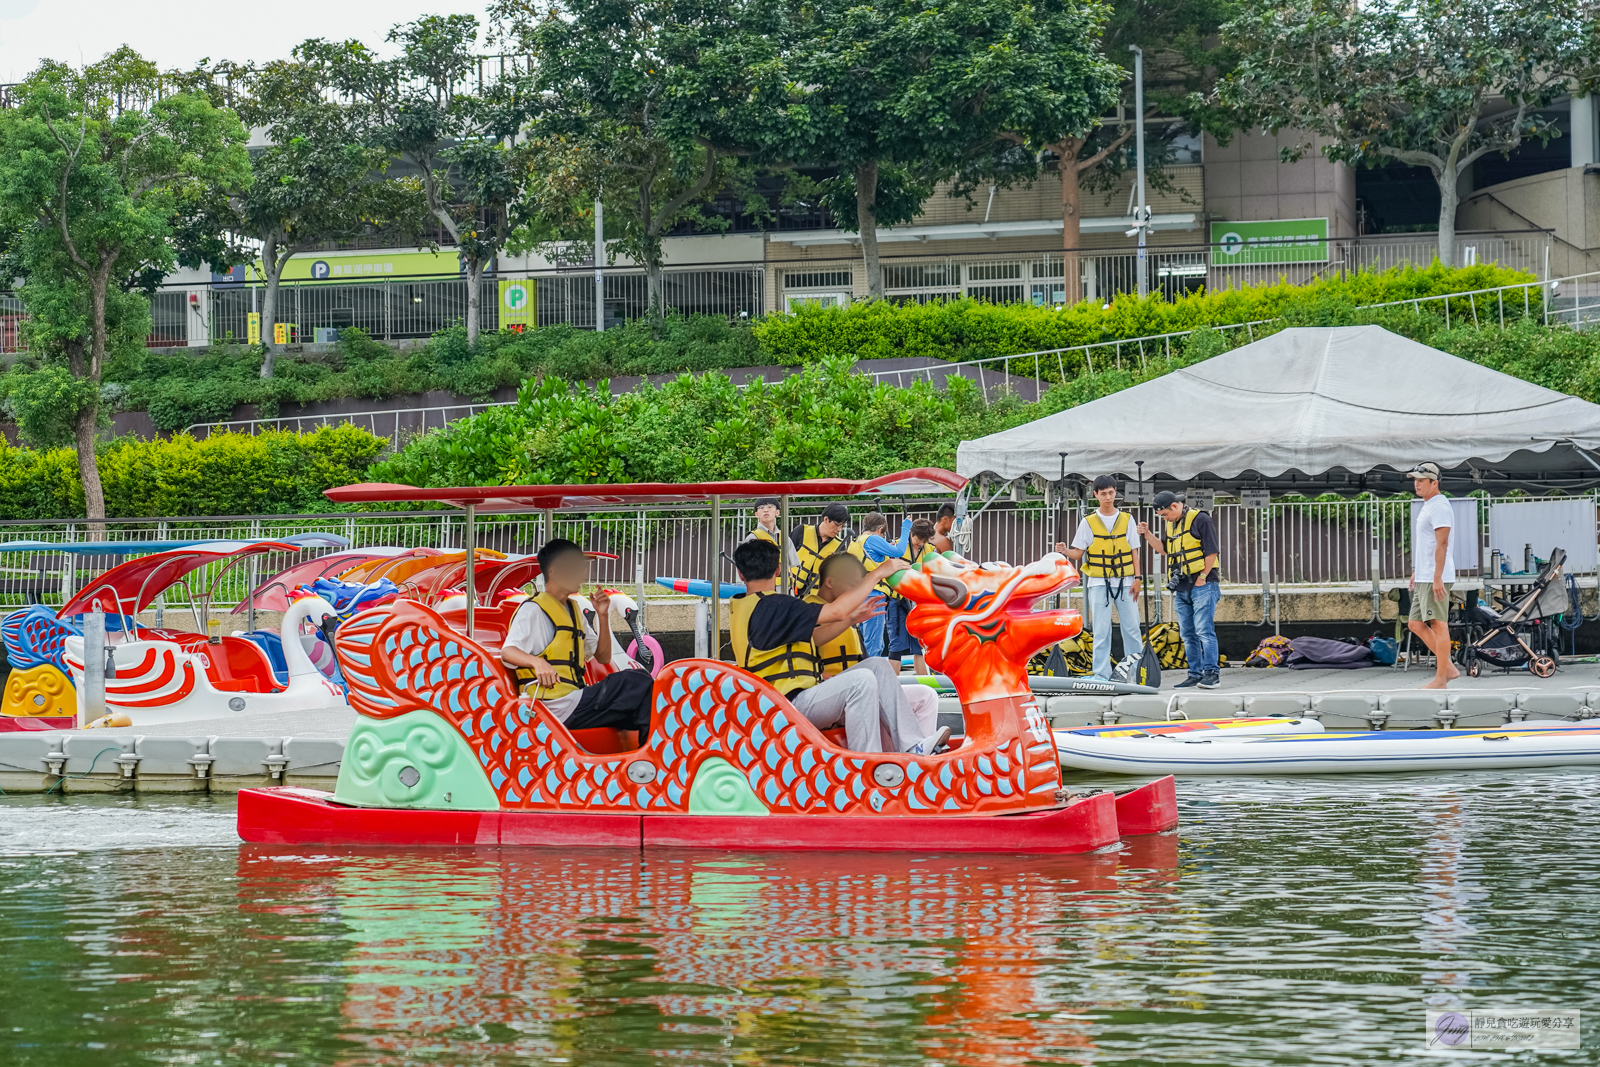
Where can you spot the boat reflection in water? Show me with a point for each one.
(599, 956)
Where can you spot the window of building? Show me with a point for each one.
(818, 280)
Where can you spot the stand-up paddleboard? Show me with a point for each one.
(700, 587)
(1043, 683)
(1253, 726)
(1527, 744)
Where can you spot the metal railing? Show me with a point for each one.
(1353, 546)
(1173, 269)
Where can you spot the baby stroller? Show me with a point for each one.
(1521, 632)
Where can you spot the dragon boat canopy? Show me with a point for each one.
(549, 498)
(136, 583)
(512, 498)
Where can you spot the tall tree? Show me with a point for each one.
(910, 92)
(101, 176)
(658, 105)
(1434, 83)
(316, 180)
(463, 145)
(1181, 55)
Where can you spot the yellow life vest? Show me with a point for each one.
(1185, 554)
(1108, 555)
(565, 652)
(840, 654)
(788, 669)
(809, 554)
(858, 549)
(761, 533)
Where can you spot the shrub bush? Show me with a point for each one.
(970, 329)
(183, 389)
(275, 473)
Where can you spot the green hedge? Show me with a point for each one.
(970, 329)
(277, 473)
(826, 420)
(179, 390)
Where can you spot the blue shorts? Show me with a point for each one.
(900, 641)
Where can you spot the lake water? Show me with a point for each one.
(1287, 922)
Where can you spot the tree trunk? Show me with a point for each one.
(1447, 214)
(83, 428)
(272, 270)
(94, 497)
(474, 300)
(656, 283)
(269, 316)
(867, 226)
(1071, 223)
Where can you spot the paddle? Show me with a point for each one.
(1148, 672)
(1056, 664)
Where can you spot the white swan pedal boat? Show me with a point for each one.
(1235, 751)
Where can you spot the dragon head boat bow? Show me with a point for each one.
(445, 750)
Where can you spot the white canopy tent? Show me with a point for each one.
(1313, 410)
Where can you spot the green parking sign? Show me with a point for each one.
(1240, 244)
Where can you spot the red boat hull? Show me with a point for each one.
(1150, 809)
(288, 816)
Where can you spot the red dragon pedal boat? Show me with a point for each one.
(445, 752)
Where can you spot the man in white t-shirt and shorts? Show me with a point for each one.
(1106, 550)
(1433, 572)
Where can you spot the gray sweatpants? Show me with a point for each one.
(870, 702)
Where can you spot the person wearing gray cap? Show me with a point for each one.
(1189, 541)
(1432, 572)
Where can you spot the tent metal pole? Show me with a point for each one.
(714, 558)
(783, 546)
(471, 539)
(1376, 549)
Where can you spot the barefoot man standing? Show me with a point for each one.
(1433, 572)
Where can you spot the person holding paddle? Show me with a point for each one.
(1107, 552)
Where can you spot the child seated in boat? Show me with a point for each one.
(550, 641)
(841, 573)
(776, 638)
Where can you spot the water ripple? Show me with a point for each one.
(1310, 921)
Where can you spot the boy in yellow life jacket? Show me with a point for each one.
(1106, 550)
(767, 511)
(776, 637)
(1189, 541)
(900, 640)
(550, 643)
(842, 573)
(810, 545)
(872, 548)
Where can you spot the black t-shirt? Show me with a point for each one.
(781, 620)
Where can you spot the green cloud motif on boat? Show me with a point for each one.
(416, 760)
(720, 789)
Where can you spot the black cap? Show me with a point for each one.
(1165, 499)
(763, 501)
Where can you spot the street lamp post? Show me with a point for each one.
(1141, 218)
(600, 259)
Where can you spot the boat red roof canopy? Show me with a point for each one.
(501, 498)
